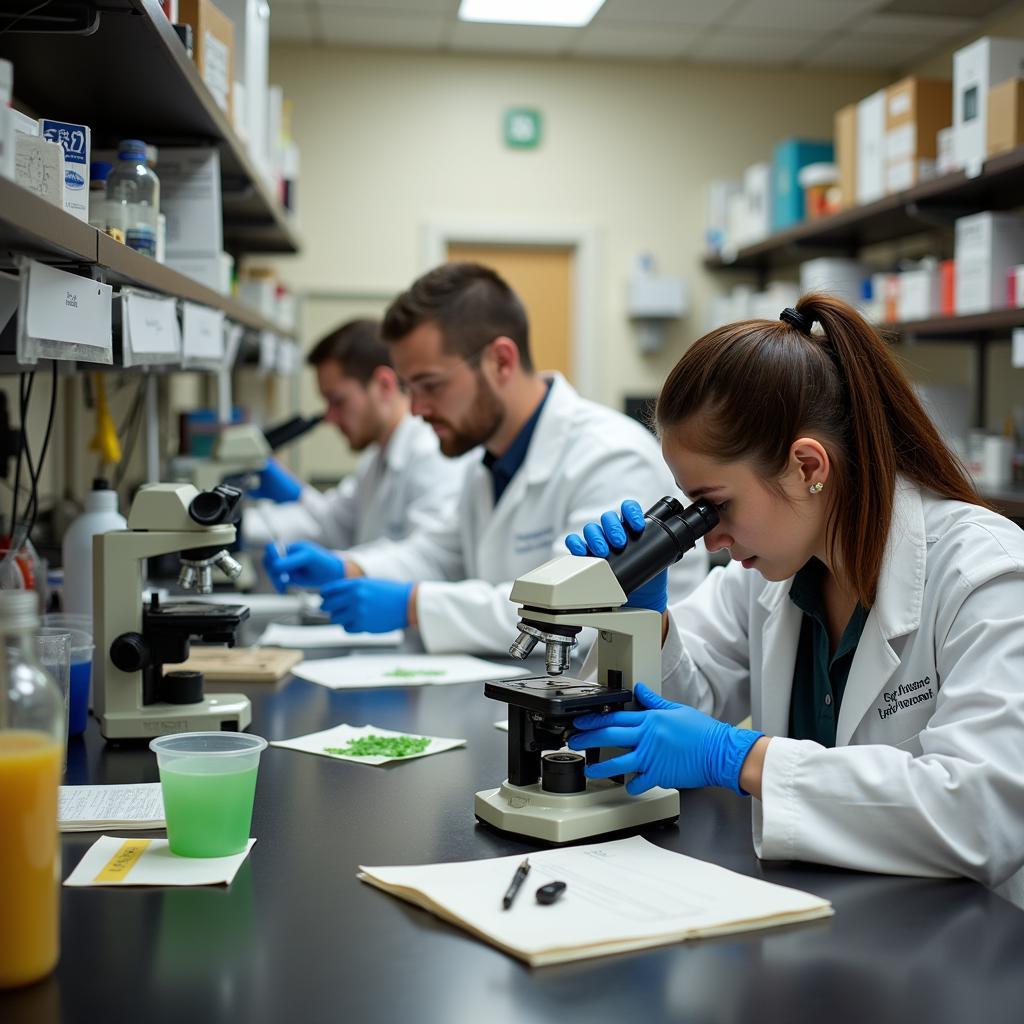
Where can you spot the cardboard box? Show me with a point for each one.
(789, 158)
(6, 121)
(252, 58)
(190, 196)
(871, 147)
(919, 294)
(987, 246)
(1005, 128)
(757, 216)
(846, 153)
(835, 275)
(719, 193)
(213, 33)
(947, 288)
(915, 110)
(39, 167)
(76, 140)
(976, 68)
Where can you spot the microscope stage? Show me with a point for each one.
(557, 695)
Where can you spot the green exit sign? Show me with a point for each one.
(522, 128)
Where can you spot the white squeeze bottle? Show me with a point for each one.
(100, 516)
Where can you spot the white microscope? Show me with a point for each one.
(134, 698)
(546, 795)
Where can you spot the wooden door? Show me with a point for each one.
(541, 275)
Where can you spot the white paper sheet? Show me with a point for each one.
(156, 866)
(502, 725)
(202, 333)
(151, 323)
(341, 735)
(362, 670)
(278, 634)
(94, 808)
(621, 895)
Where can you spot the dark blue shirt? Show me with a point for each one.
(819, 677)
(504, 467)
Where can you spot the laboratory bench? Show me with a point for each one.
(298, 938)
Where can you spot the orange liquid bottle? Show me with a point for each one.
(30, 768)
(32, 733)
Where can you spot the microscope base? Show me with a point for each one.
(220, 712)
(565, 817)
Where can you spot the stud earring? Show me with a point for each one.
(816, 487)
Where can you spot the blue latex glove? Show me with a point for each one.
(610, 535)
(367, 605)
(277, 484)
(670, 745)
(304, 564)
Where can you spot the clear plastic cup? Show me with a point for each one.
(208, 781)
(80, 628)
(53, 651)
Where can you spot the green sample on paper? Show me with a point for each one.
(381, 746)
(415, 673)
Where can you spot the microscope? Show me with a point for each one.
(239, 454)
(134, 697)
(546, 795)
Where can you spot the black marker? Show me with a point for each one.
(517, 880)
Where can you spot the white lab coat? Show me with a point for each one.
(583, 459)
(394, 491)
(927, 775)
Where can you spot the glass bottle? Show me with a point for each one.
(31, 753)
(133, 198)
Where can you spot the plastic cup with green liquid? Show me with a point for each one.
(208, 781)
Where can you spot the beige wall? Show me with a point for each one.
(393, 142)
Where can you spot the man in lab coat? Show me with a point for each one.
(459, 341)
(401, 484)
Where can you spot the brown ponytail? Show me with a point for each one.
(761, 384)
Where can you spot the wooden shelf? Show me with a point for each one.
(133, 79)
(933, 204)
(971, 327)
(33, 227)
(127, 267)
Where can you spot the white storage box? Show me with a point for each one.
(987, 246)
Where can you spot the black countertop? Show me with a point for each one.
(296, 938)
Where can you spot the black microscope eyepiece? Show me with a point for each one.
(671, 531)
(222, 504)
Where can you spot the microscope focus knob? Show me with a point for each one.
(129, 652)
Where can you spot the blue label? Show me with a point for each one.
(72, 137)
(141, 239)
(72, 179)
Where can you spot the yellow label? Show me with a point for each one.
(117, 868)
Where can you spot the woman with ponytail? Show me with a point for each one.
(870, 620)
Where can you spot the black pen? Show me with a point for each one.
(517, 880)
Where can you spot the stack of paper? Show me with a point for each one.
(93, 808)
(360, 670)
(620, 896)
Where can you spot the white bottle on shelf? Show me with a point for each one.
(100, 516)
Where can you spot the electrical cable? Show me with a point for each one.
(45, 448)
(22, 447)
(131, 423)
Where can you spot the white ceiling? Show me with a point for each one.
(845, 34)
